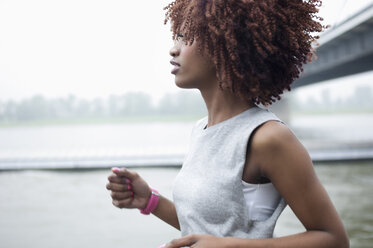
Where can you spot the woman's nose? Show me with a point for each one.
(175, 50)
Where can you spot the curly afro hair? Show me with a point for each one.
(258, 47)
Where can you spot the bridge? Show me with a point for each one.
(345, 49)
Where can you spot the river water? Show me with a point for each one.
(71, 208)
(59, 209)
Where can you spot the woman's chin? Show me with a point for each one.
(183, 85)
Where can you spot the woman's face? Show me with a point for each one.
(191, 69)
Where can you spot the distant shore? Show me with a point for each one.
(156, 118)
(108, 120)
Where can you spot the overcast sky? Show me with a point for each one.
(94, 48)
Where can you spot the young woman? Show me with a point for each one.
(244, 165)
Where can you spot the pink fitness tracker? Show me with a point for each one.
(152, 203)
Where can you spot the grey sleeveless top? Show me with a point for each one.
(208, 192)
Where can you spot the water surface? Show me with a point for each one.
(59, 209)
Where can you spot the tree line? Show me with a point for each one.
(131, 104)
(361, 100)
(140, 104)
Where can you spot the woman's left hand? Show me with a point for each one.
(197, 241)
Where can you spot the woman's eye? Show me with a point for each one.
(179, 36)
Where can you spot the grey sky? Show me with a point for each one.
(95, 48)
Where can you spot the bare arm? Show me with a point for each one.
(129, 190)
(166, 211)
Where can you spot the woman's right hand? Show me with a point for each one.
(128, 189)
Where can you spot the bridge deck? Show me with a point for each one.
(344, 50)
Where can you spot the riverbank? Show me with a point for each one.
(164, 118)
(138, 144)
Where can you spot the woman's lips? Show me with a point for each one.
(175, 68)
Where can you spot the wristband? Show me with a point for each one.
(152, 203)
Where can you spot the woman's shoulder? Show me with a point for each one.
(271, 134)
(274, 142)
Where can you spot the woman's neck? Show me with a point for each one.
(222, 105)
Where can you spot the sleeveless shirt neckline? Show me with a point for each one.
(206, 129)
